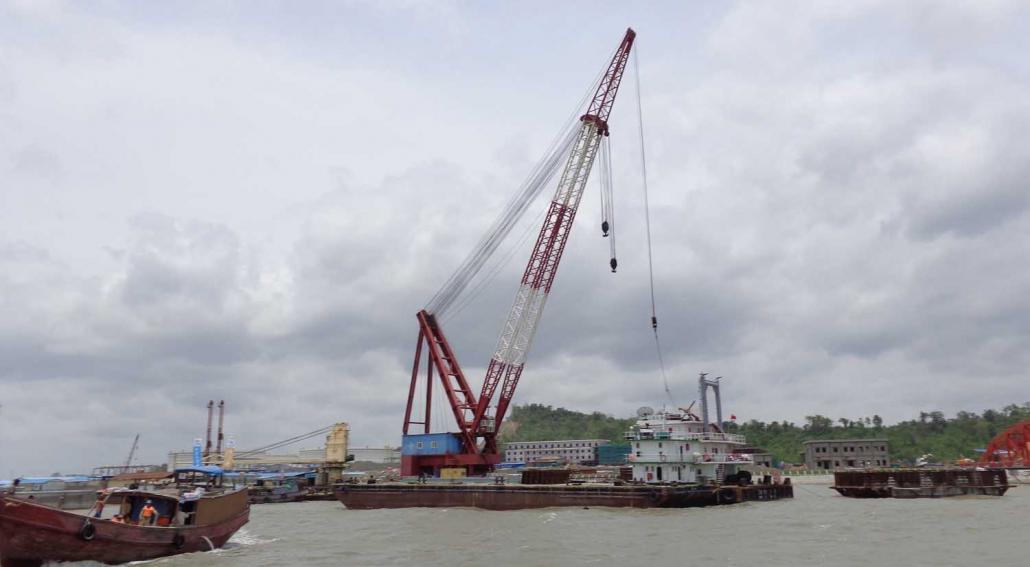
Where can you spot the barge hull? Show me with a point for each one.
(920, 483)
(519, 497)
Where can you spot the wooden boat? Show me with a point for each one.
(185, 521)
(273, 487)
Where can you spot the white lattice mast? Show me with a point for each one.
(521, 325)
(471, 413)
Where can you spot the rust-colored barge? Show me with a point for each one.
(522, 496)
(920, 483)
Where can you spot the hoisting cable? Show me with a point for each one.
(608, 200)
(540, 176)
(647, 223)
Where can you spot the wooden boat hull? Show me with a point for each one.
(523, 496)
(31, 534)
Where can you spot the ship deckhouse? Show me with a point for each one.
(679, 446)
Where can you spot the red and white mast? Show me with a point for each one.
(519, 329)
(472, 414)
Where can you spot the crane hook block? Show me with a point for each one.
(654, 322)
(614, 264)
(604, 228)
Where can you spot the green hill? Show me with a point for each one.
(946, 438)
(536, 422)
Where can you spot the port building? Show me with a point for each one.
(830, 454)
(575, 451)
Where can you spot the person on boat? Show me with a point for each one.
(98, 506)
(148, 516)
(118, 519)
(13, 487)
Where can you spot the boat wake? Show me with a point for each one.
(245, 538)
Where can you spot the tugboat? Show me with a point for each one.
(125, 524)
(681, 447)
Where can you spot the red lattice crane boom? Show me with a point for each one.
(1011, 448)
(472, 413)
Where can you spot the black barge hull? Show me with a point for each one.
(525, 496)
(920, 483)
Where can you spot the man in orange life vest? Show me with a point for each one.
(148, 515)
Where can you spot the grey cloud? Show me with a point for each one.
(838, 216)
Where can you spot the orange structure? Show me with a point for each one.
(1011, 448)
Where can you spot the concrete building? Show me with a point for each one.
(381, 455)
(759, 457)
(830, 454)
(568, 450)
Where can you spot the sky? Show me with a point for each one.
(250, 201)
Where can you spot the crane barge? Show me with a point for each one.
(705, 471)
(473, 448)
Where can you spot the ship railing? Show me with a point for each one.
(723, 458)
(664, 435)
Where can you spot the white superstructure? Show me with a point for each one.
(674, 446)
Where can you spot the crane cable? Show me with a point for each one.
(647, 222)
(607, 200)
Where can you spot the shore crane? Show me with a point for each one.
(473, 449)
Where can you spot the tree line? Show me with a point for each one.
(946, 438)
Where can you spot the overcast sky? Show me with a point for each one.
(251, 201)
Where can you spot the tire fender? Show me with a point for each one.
(88, 531)
(179, 540)
(727, 496)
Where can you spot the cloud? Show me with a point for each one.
(227, 209)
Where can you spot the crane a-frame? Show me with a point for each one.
(474, 446)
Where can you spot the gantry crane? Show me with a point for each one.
(474, 446)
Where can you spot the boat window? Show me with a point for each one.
(418, 445)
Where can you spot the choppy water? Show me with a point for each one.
(817, 527)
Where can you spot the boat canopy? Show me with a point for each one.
(206, 469)
(276, 475)
(25, 480)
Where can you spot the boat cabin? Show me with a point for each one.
(677, 447)
(208, 477)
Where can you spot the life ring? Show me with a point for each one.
(179, 540)
(88, 531)
(727, 496)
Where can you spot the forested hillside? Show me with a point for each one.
(536, 422)
(931, 432)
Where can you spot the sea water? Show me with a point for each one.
(816, 527)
